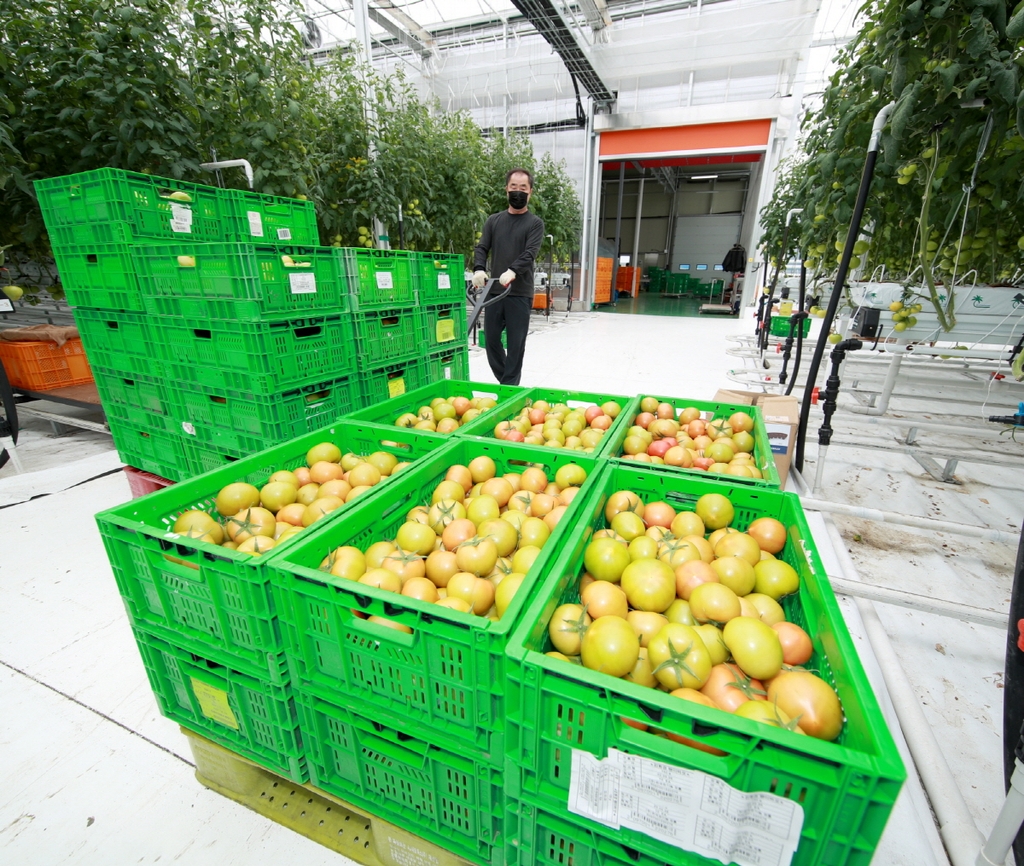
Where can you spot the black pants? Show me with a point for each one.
(511, 314)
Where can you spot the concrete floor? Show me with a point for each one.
(92, 774)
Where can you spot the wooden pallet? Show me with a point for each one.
(315, 814)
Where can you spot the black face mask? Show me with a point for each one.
(518, 199)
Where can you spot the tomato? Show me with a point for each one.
(602, 598)
(703, 546)
(292, 514)
(384, 462)
(735, 573)
(455, 604)
(611, 646)
(769, 611)
(235, 497)
(679, 611)
(623, 500)
(568, 624)
(506, 591)
(729, 687)
(477, 556)
(768, 713)
(347, 562)
(383, 579)
(570, 475)
(534, 533)
(738, 544)
(335, 487)
(628, 525)
(769, 533)
(448, 489)
(320, 508)
(643, 548)
(711, 634)
(642, 674)
(327, 451)
(252, 521)
(325, 471)
(646, 624)
(420, 588)
(533, 479)
(606, 559)
(775, 578)
(715, 510)
(523, 559)
(274, 495)
(754, 647)
(692, 574)
(198, 523)
(376, 552)
(498, 488)
(679, 657)
(405, 564)
(714, 602)
(462, 475)
(501, 532)
(256, 545)
(308, 493)
(475, 591)
(632, 723)
(810, 701)
(482, 469)
(390, 623)
(456, 532)
(516, 518)
(416, 537)
(649, 584)
(796, 643)
(483, 508)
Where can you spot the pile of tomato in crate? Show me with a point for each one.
(520, 647)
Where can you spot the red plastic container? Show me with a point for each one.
(142, 482)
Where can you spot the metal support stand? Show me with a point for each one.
(829, 404)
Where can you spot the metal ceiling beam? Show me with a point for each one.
(401, 34)
(596, 12)
(543, 15)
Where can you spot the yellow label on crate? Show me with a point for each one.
(445, 330)
(213, 703)
(396, 387)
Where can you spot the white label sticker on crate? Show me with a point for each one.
(181, 218)
(255, 223)
(691, 810)
(385, 280)
(447, 372)
(444, 281)
(302, 284)
(188, 428)
(284, 234)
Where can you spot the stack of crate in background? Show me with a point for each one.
(409, 312)
(217, 327)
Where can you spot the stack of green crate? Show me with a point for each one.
(215, 325)
(409, 316)
(656, 280)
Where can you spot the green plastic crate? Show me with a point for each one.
(573, 399)
(101, 276)
(110, 205)
(386, 334)
(779, 326)
(428, 787)
(245, 714)
(448, 364)
(273, 219)
(150, 447)
(448, 676)
(440, 278)
(847, 788)
(393, 379)
(239, 282)
(138, 400)
(378, 278)
(763, 456)
(257, 357)
(385, 413)
(212, 598)
(120, 341)
(251, 422)
(442, 326)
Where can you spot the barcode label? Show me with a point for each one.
(385, 280)
(255, 223)
(302, 284)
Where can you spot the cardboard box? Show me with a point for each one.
(781, 417)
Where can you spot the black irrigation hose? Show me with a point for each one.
(9, 419)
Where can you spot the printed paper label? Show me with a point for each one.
(778, 437)
(284, 234)
(302, 284)
(385, 280)
(396, 387)
(444, 281)
(188, 428)
(6, 305)
(181, 218)
(255, 223)
(447, 372)
(445, 330)
(691, 810)
(213, 703)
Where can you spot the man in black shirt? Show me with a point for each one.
(512, 238)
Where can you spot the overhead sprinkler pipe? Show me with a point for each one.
(231, 163)
(844, 266)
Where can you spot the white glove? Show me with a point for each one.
(479, 279)
(507, 277)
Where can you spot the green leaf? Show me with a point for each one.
(1015, 26)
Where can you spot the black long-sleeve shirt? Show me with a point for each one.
(513, 241)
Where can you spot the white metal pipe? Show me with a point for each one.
(908, 520)
(922, 424)
(585, 238)
(231, 163)
(820, 468)
(956, 824)
(1008, 822)
(887, 386)
(634, 288)
(7, 444)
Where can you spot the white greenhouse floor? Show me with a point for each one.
(92, 774)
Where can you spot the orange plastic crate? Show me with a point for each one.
(44, 366)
